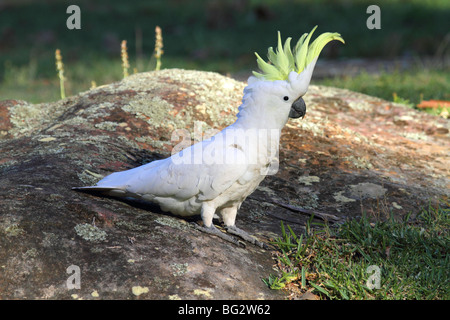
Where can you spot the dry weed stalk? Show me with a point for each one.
(158, 47)
(60, 69)
(124, 55)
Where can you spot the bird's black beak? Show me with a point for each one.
(298, 109)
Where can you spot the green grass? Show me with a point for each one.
(333, 262)
(408, 87)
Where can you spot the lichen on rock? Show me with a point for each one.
(90, 232)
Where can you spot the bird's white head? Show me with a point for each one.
(275, 94)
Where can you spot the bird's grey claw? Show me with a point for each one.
(216, 232)
(247, 237)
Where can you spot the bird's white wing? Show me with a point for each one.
(204, 170)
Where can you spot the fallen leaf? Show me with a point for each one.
(434, 104)
(48, 139)
(388, 251)
(308, 296)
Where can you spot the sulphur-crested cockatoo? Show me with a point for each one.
(216, 175)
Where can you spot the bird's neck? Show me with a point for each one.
(252, 117)
(256, 135)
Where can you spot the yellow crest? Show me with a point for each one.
(284, 59)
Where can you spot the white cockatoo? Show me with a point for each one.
(217, 174)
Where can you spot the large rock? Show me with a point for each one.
(351, 154)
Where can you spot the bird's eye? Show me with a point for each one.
(285, 98)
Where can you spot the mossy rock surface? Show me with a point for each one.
(351, 153)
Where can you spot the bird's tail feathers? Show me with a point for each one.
(111, 191)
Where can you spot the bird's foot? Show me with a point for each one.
(245, 236)
(216, 232)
